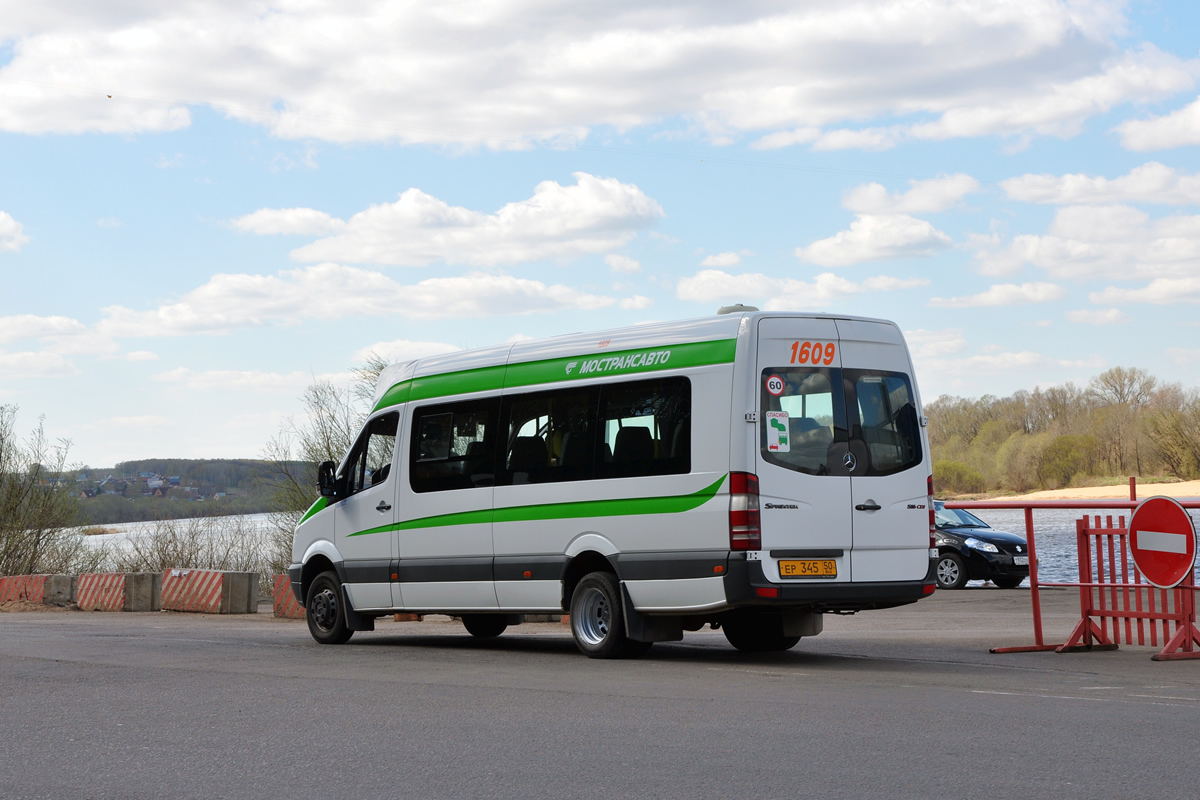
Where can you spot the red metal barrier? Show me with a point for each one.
(1111, 590)
(1185, 606)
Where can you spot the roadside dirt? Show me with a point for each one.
(25, 605)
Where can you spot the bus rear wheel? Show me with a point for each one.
(484, 626)
(597, 620)
(757, 633)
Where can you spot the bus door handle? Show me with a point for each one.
(870, 505)
(383, 506)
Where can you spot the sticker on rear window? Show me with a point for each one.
(777, 432)
(775, 385)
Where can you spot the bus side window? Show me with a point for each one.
(646, 427)
(453, 446)
(551, 436)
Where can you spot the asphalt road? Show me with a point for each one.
(895, 704)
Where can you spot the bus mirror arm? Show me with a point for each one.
(326, 480)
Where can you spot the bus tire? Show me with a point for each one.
(757, 633)
(325, 610)
(597, 620)
(484, 626)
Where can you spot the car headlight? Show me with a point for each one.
(976, 544)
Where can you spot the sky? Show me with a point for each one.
(205, 206)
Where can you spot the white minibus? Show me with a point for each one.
(751, 471)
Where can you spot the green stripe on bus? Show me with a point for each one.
(532, 373)
(314, 508)
(628, 506)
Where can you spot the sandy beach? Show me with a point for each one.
(1121, 492)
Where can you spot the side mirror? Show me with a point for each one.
(326, 479)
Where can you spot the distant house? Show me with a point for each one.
(160, 491)
(173, 480)
(155, 482)
(87, 494)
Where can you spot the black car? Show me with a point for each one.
(969, 549)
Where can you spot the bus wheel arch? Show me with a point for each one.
(578, 567)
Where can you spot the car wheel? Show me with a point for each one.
(951, 571)
(484, 626)
(325, 610)
(597, 620)
(1007, 583)
(757, 633)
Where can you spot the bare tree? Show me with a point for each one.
(38, 511)
(332, 419)
(1129, 386)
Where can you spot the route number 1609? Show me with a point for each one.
(813, 353)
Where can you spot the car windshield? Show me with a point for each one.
(956, 518)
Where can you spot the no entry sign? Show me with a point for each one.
(1163, 541)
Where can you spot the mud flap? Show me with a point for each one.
(642, 628)
(354, 620)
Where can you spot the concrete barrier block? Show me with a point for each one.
(100, 591)
(285, 604)
(30, 588)
(60, 590)
(239, 594)
(143, 591)
(208, 591)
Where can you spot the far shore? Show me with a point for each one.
(1119, 492)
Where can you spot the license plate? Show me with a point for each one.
(808, 568)
(1021, 561)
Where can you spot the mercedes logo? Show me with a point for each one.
(848, 462)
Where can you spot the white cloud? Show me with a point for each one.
(861, 139)
(400, 350)
(252, 380)
(479, 74)
(722, 260)
(1059, 105)
(108, 222)
(925, 344)
(1163, 291)
(935, 194)
(774, 141)
(12, 233)
(635, 303)
(1183, 356)
(1100, 316)
(296, 221)
(783, 294)
(34, 365)
(29, 326)
(333, 291)
(1150, 183)
(143, 421)
(141, 355)
(1004, 294)
(558, 222)
(1180, 128)
(1107, 241)
(873, 237)
(619, 263)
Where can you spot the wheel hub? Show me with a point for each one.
(594, 617)
(947, 571)
(323, 609)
